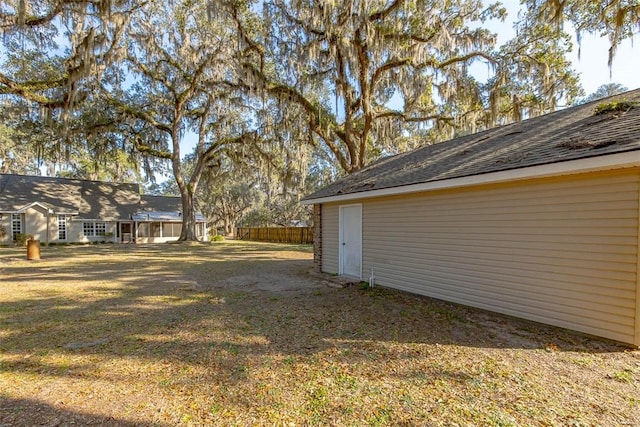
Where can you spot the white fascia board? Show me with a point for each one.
(34, 204)
(45, 207)
(592, 164)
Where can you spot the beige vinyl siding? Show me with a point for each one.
(636, 341)
(330, 218)
(35, 222)
(562, 251)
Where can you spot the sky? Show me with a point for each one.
(593, 68)
(592, 64)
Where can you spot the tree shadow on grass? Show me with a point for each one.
(148, 297)
(28, 412)
(157, 316)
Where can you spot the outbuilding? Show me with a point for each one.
(537, 219)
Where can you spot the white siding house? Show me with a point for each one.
(60, 210)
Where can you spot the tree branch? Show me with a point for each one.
(386, 12)
(410, 119)
(141, 115)
(27, 90)
(153, 152)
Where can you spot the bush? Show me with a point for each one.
(216, 238)
(21, 239)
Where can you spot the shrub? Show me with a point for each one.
(21, 239)
(216, 238)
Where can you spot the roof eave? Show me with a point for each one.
(590, 164)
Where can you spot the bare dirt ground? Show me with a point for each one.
(244, 334)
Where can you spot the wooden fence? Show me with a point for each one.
(276, 234)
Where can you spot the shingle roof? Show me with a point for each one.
(18, 191)
(569, 134)
(88, 199)
(108, 201)
(161, 203)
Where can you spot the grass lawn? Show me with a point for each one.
(243, 334)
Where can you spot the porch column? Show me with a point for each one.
(48, 225)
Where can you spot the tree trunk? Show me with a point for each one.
(188, 217)
(187, 189)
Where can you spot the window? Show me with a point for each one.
(101, 228)
(62, 227)
(16, 225)
(88, 229)
(143, 229)
(171, 229)
(91, 229)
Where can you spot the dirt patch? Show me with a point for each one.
(245, 334)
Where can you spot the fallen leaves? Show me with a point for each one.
(242, 334)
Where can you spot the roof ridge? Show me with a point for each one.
(57, 178)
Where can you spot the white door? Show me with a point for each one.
(351, 240)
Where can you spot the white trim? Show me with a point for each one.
(591, 164)
(48, 209)
(30, 205)
(341, 237)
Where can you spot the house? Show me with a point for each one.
(537, 219)
(59, 210)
